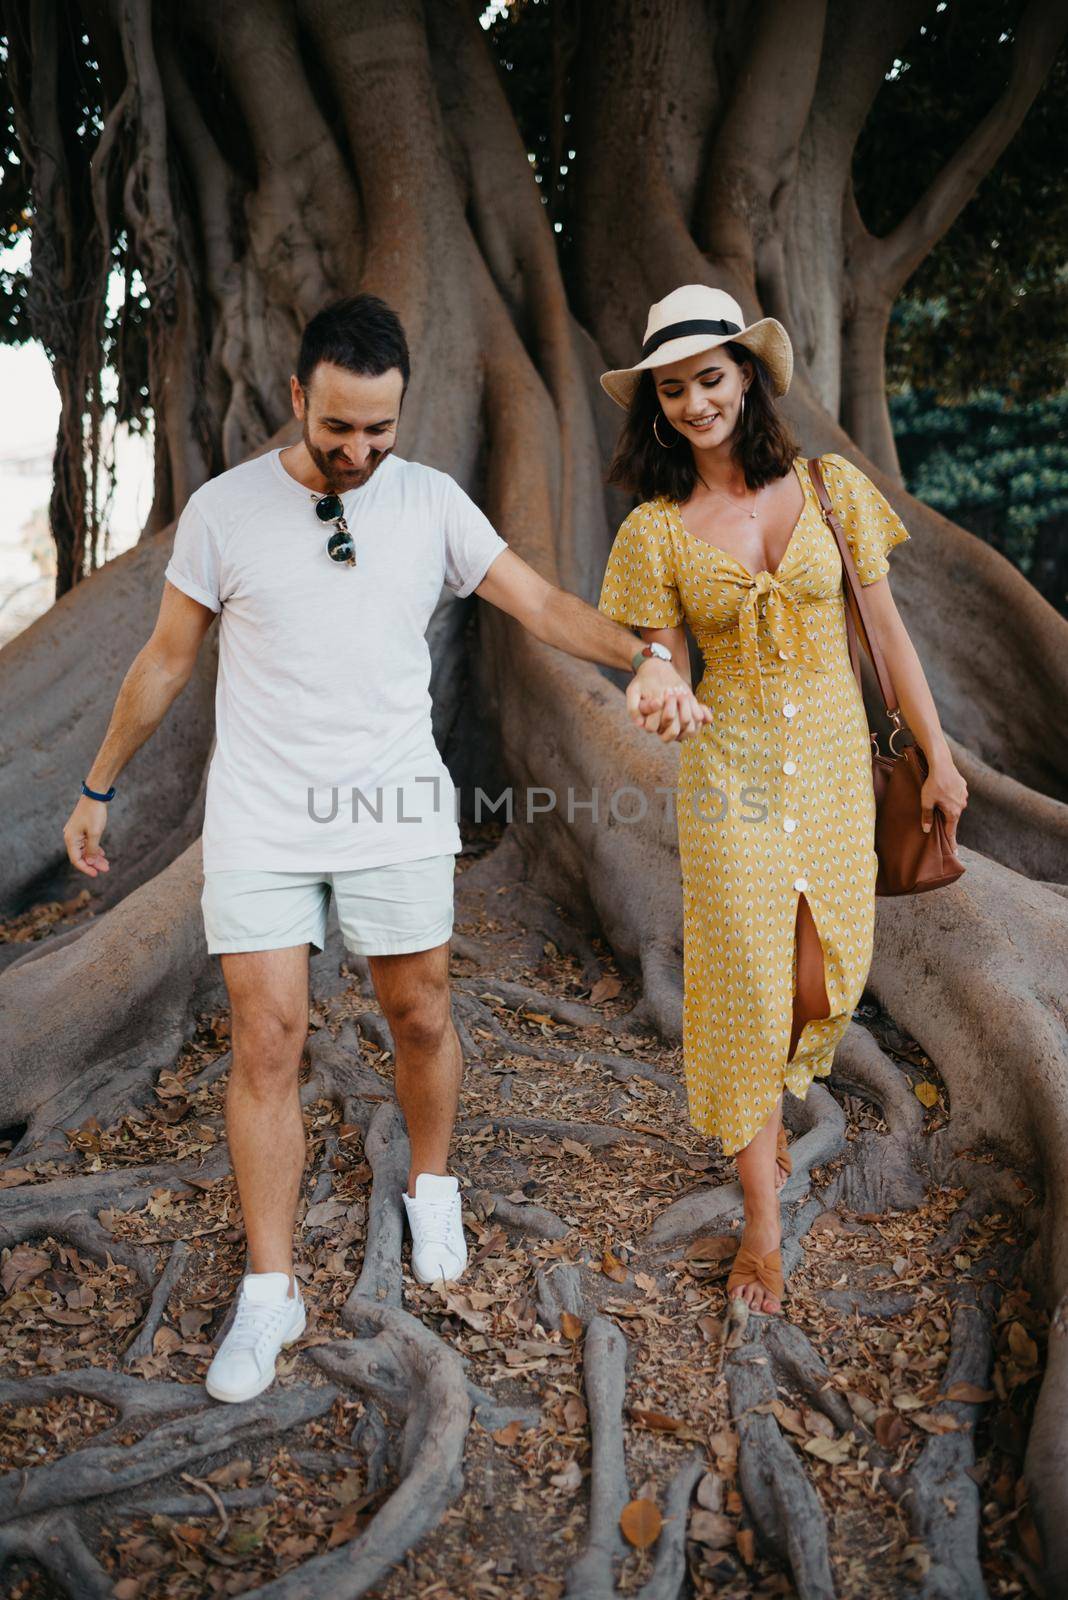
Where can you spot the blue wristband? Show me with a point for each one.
(94, 796)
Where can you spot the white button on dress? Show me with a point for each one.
(790, 767)
(801, 884)
(789, 823)
(789, 709)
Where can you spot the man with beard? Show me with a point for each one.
(325, 561)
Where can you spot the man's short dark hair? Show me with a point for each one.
(360, 333)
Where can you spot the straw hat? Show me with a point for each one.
(696, 318)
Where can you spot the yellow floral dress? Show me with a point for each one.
(774, 796)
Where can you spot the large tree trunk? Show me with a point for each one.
(714, 147)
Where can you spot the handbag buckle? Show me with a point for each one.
(900, 726)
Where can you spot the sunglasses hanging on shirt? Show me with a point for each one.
(339, 546)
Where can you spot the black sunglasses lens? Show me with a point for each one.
(340, 546)
(329, 508)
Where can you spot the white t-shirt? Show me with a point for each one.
(325, 758)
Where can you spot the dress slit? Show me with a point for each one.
(808, 961)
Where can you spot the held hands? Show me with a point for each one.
(82, 836)
(659, 701)
(945, 788)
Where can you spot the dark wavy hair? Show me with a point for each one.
(360, 333)
(763, 445)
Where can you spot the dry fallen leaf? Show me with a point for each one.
(712, 1528)
(570, 1325)
(459, 1305)
(790, 1418)
(828, 1222)
(1024, 1349)
(507, 1435)
(641, 1522)
(817, 1422)
(570, 1478)
(712, 1247)
(1029, 1539)
(969, 1393)
(926, 1093)
(660, 1422)
(613, 1268)
(325, 1211)
(710, 1492)
(194, 1321)
(575, 1414)
(834, 1451)
(22, 1266)
(935, 1422)
(351, 1521)
(890, 1429)
(862, 1407)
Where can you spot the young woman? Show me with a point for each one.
(776, 811)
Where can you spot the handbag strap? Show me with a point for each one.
(855, 592)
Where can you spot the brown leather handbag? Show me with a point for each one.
(910, 860)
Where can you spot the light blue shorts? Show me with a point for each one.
(382, 911)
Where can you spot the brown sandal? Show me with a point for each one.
(749, 1268)
(783, 1158)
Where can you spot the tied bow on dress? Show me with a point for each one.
(786, 625)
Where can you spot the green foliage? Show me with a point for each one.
(123, 343)
(988, 308)
(997, 468)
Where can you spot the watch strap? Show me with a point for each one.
(649, 652)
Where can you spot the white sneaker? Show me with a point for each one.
(439, 1249)
(267, 1318)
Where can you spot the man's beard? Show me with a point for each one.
(332, 465)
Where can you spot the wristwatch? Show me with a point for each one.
(658, 651)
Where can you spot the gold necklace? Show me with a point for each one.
(721, 496)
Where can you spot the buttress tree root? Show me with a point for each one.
(693, 164)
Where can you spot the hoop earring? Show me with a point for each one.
(658, 439)
(743, 406)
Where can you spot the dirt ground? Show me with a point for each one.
(565, 1163)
